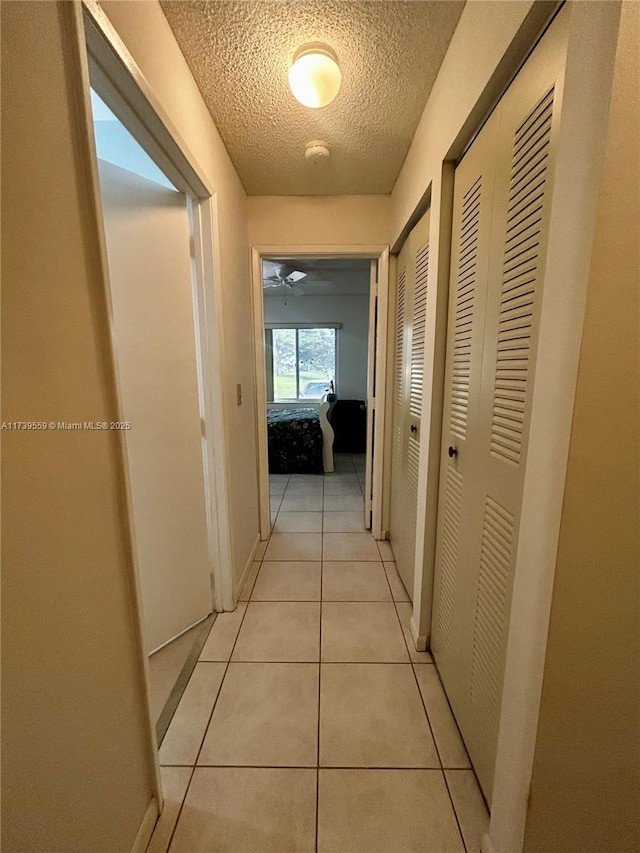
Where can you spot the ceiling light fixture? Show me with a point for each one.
(314, 76)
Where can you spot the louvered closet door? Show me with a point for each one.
(473, 203)
(400, 390)
(419, 262)
(487, 426)
(413, 280)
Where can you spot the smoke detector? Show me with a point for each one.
(317, 152)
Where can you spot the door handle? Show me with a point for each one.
(414, 428)
(453, 451)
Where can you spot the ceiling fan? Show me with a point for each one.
(278, 275)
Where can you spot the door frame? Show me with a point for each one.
(379, 253)
(120, 79)
(101, 53)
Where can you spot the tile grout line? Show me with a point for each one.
(311, 766)
(316, 600)
(228, 662)
(320, 662)
(455, 813)
(319, 674)
(332, 662)
(316, 560)
(435, 744)
(175, 825)
(426, 713)
(206, 728)
(413, 670)
(195, 764)
(470, 767)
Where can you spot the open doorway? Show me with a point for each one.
(148, 237)
(159, 228)
(316, 338)
(320, 367)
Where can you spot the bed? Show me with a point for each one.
(300, 440)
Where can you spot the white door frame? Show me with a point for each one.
(369, 252)
(100, 49)
(372, 379)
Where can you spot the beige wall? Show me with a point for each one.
(147, 35)
(77, 771)
(585, 788)
(317, 220)
(485, 45)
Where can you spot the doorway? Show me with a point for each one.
(159, 223)
(320, 344)
(147, 235)
(408, 371)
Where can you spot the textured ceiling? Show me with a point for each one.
(389, 54)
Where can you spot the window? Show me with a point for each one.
(301, 361)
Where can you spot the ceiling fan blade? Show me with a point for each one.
(296, 275)
(267, 283)
(271, 269)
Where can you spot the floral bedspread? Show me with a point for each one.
(295, 441)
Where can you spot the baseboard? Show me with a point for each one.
(237, 587)
(147, 826)
(184, 631)
(420, 641)
(486, 844)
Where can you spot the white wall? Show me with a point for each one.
(147, 35)
(317, 220)
(147, 235)
(76, 750)
(350, 310)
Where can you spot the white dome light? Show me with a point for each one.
(314, 76)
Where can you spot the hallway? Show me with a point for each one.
(310, 722)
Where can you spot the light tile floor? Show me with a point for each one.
(310, 722)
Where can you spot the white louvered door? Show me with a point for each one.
(413, 279)
(396, 527)
(473, 202)
(501, 201)
(419, 261)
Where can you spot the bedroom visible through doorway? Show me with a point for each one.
(316, 374)
(316, 341)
